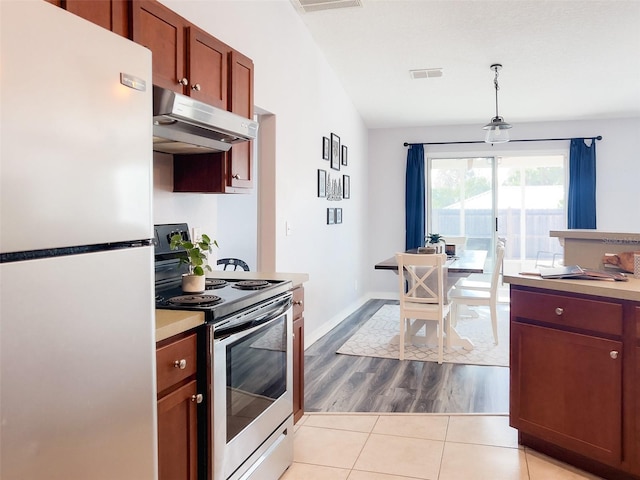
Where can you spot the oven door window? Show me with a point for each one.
(256, 374)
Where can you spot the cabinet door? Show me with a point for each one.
(162, 31)
(177, 434)
(240, 157)
(109, 14)
(298, 353)
(207, 68)
(567, 388)
(298, 369)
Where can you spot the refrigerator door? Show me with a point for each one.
(76, 150)
(77, 368)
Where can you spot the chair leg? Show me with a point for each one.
(401, 338)
(448, 318)
(494, 320)
(440, 340)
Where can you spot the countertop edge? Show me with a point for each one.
(629, 290)
(174, 322)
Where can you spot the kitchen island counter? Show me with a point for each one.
(575, 371)
(629, 290)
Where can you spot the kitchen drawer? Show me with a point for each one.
(565, 311)
(298, 302)
(176, 361)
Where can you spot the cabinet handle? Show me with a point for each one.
(559, 311)
(236, 176)
(196, 398)
(181, 364)
(613, 354)
(196, 87)
(183, 81)
(298, 302)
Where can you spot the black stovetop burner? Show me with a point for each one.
(251, 284)
(213, 283)
(198, 299)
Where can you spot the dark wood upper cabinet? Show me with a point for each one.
(207, 68)
(163, 32)
(240, 157)
(110, 14)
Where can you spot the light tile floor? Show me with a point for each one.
(417, 446)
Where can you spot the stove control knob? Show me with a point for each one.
(196, 398)
(181, 364)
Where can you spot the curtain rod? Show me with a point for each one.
(599, 137)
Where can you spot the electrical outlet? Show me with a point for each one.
(195, 234)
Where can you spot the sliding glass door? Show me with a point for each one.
(518, 199)
(461, 201)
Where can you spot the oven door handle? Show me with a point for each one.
(276, 311)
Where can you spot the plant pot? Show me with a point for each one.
(193, 283)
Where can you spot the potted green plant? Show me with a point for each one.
(436, 240)
(194, 254)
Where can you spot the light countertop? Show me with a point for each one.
(629, 290)
(173, 322)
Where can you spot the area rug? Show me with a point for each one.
(378, 337)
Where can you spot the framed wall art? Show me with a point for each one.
(326, 147)
(344, 155)
(338, 215)
(346, 186)
(335, 151)
(322, 183)
(331, 216)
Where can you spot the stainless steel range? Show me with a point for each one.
(249, 354)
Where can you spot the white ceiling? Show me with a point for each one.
(562, 59)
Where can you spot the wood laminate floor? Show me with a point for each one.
(345, 383)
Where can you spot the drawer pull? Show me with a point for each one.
(181, 364)
(559, 311)
(613, 354)
(196, 398)
(183, 81)
(298, 302)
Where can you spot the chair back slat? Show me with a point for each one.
(421, 277)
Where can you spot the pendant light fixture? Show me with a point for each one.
(497, 129)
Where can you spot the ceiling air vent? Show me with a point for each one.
(309, 6)
(426, 73)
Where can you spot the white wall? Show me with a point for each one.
(294, 82)
(618, 175)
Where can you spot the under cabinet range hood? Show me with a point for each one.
(184, 125)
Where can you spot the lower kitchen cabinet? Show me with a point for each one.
(574, 373)
(178, 434)
(298, 353)
(178, 399)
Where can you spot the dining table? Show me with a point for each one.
(461, 265)
(457, 266)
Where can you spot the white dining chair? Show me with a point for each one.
(482, 281)
(422, 294)
(489, 298)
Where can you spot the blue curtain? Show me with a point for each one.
(414, 198)
(582, 184)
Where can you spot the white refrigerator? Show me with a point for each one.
(77, 346)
